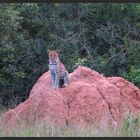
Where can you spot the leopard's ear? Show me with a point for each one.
(58, 51)
(48, 50)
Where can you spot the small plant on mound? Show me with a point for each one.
(82, 62)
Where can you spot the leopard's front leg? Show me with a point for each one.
(52, 80)
(56, 82)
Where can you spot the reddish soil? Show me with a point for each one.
(90, 98)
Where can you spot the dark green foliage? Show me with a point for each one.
(104, 37)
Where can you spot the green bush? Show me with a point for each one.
(133, 75)
(104, 37)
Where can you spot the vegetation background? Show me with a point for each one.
(102, 36)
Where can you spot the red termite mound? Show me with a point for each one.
(90, 98)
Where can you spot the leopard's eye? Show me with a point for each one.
(51, 55)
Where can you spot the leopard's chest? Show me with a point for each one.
(53, 68)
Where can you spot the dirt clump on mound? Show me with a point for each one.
(90, 98)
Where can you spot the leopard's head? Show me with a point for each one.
(53, 56)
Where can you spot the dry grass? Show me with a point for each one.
(129, 128)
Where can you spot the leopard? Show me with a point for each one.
(59, 73)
